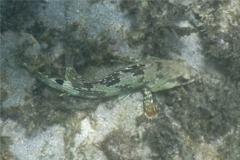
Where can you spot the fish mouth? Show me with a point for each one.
(193, 74)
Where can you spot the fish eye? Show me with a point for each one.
(59, 81)
(182, 79)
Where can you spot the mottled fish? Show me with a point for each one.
(149, 75)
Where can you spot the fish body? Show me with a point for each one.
(155, 75)
(152, 75)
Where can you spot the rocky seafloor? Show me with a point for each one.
(197, 121)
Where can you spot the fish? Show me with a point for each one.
(152, 75)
